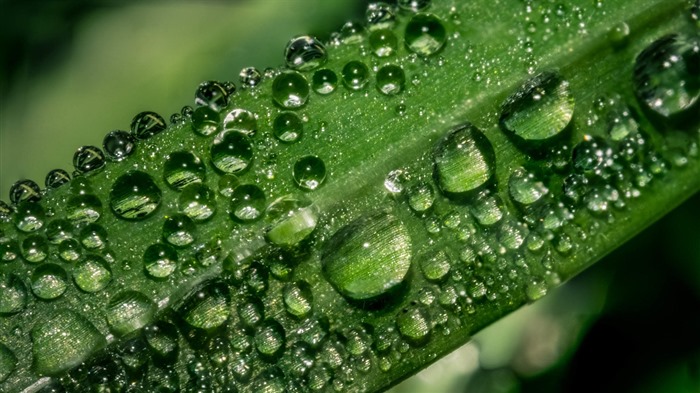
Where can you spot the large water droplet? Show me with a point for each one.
(305, 53)
(309, 172)
(25, 190)
(425, 34)
(118, 145)
(287, 127)
(49, 281)
(13, 294)
(390, 80)
(58, 231)
(247, 203)
(128, 311)
(290, 90)
(182, 168)
(160, 260)
(70, 250)
(134, 196)
(208, 307)
(464, 160)
(231, 152)
(368, 257)
(539, 110)
(92, 274)
(62, 341)
(179, 230)
(197, 201)
(324, 81)
(355, 75)
(667, 75)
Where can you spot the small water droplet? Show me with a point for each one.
(35, 248)
(178, 230)
(162, 340)
(383, 43)
(525, 188)
(13, 294)
(324, 81)
(425, 34)
(205, 121)
(160, 260)
(305, 53)
(298, 299)
(535, 289)
(249, 77)
(25, 190)
(368, 257)
(242, 121)
(183, 168)
(197, 201)
(352, 32)
(380, 15)
(128, 311)
(83, 209)
(290, 90)
(355, 75)
(309, 172)
(146, 124)
(231, 152)
(88, 159)
(212, 94)
(207, 307)
(134, 196)
(29, 217)
(92, 274)
(435, 268)
(56, 178)
(247, 203)
(118, 145)
(394, 181)
(391, 80)
(421, 196)
(287, 127)
(414, 325)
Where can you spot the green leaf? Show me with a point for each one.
(345, 228)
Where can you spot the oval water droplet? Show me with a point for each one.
(324, 81)
(290, 90)
(207, 307)
(525, 188)
(298, 299)
(414, 325)
(25, 190)
(292, 221)
(118, 145)
(182, 168)
(231, 152)
(539, 110)
(247, 203)
(70, 250)
(146, 124)
(88, 159)
(287, 127)
(305, 53)
(205, 121)
(420, 196)
(13, 294)
(309, 172)
(198, 202)
(368, 257)
(56, 178)
(29, 217)
(92, 274)
(35, 248)
(49, 281)
(179, 230)
(425, 34)
(242, 121)
(383, 43)
(270, 339)
(160, 260)
(390, 80)
(355, 75)
(134, 196)
(93, 236)
(464, 160)
(128, 311)
(435, 268)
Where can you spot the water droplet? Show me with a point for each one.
(298, 299)
(593, 155)
(8, 362)
(160, 260)
(249, 77)
(251, 312)
(435, 268)
(197, 201)
(292, 220)
(368, 257)
(62, 341)
(29, 217)
(13, 294)
(146, 124)
(205, 121)
(59, 230)
(305, 53)
(35, 248)
(242, 121)
(83, 209)
(287, 127)
(92, 274)
(179, 230)
(352, 32)
(464, 160)
(211, 94)
(421, 196)
(247, 203)
(309, 172)
(667, 75)
(56, 178)
(414, 5)
(207, 307)
(118, 145)
(380, 15)
(270, 339)
(290, 90)
(88, 159)
(182, 168)
(231, 152)
(162, 340)
(383, 43)
(535, 289)
(70, 250)
(487, 210)
(394, 181)
(128, 311)
(25, 190)
(134, 196)
(324, 81)
(355, 75)
(539, 110)
(391, 80)
(425, 34)
(414, 324)
(525, 188)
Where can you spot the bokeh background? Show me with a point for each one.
(73, 70)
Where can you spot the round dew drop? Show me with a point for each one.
(414, 325)
(56, 178)
(290, 90)
(134, 196)
(208, 307)
(49, 281)
(250, 77)
(242, 121)
(383, 43)
(287, 127)
(183, 168)
(178, 230)
(324, 81)
(355, 75)
(92, 274)
(247, 203)
(309, 172)
(35, 248)
(197, 201)
(231, 152)
(160, 260)
(212, 94)
(526, 189)
(25, 190)
(205, 121)
(391, 80)
(118, 145)
(425, 34)
(368, 257)
(146, 124)
(305, 53)
(88, 159)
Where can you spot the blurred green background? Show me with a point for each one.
(73, 70)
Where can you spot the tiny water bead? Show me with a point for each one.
(421, 196)
(160, 260)
(25, 190)
(249, 77)
(287, 127)
(211, 94)
(368, 257)
(182, 168)
(29, 217)
(298, 299)
(425, 34)
(324, 81)
(205, 121)
(539, 110)
(146, 124)
(49, 281)
(179, 230)
(63, 341)
(134, 196)
(197, 201)
(207, 307)
(128, 311)
(88, 159)
(8, 362)
(290, 90)
(92, 274)
(56, 178)
(231, 152)
(464, 160)
(355, 75)
(247, 203)
(383, 43)
(241, 120)
(525, 188)
(35, 248)
(118, 145)
(305, 53)
(667, 75)
(13, 294)
(390, 80)
(309, 172)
